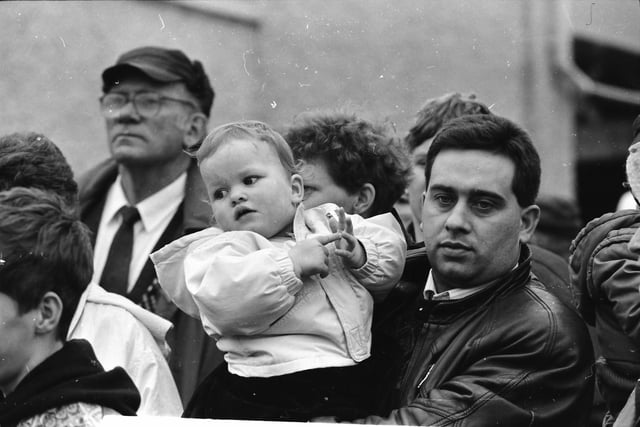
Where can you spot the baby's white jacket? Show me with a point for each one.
(266, 320)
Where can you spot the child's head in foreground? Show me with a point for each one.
(46, 264)
(251, 178)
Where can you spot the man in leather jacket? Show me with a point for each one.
(490, 344)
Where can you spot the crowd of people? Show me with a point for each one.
(245, 273)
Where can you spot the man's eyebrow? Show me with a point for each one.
(441, 187)
(476, 193)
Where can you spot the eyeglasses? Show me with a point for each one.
(146, 104)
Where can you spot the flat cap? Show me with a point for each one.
(164, 66)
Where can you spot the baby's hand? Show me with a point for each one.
(348, 247)
(311, 256)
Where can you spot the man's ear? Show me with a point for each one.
(195, 129)
(529, 218)
(48, 313)
(297, 189)
(365, 197)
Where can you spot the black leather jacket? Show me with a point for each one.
(512, 354)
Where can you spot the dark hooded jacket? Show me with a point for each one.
(70, 375)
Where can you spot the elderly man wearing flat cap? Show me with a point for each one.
(156, 103)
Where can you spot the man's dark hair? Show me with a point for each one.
(355, 152)
(30, 159)
(496, 135)
(44, 247)
(437, 111)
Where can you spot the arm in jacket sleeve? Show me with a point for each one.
(237, 283)
(385, 248)
(241, 283)
(616, 277)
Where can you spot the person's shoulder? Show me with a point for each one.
(212, 240)
(97, 176)
(549, 262)
(553, 271)
(543, 308)
(98, 298)
(608, 229)
(538, 319)
(104, 322)
(602, 240)
(207, 240)
(117, 328)
(536, 304)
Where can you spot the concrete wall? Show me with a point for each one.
(53, 54)
(272, 59)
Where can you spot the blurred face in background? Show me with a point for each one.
(319, 187)
(416, 186)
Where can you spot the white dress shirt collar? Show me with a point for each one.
(453, 294)
(154, 209)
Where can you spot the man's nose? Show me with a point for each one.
(127, 112)
(458, 217)
(634, 243)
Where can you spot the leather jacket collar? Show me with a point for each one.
(445, 311)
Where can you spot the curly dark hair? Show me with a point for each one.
(437, 111)
(29, 159)
(356, 152)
